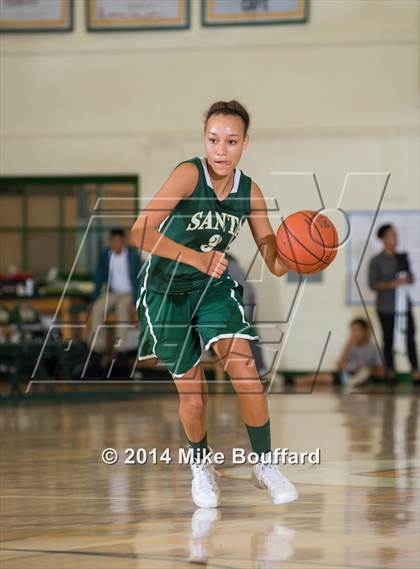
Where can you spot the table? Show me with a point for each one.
(47, 304)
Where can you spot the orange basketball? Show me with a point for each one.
(307, 242)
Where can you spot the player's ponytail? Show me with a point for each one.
(228, 108)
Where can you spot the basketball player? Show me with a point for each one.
(187, 296)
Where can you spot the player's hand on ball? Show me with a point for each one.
(213, 263)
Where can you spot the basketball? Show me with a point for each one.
(307, 242)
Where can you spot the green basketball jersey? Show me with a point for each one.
(200, 222)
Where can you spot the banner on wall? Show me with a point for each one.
(117, 15)
(36, 16)
(240, 12)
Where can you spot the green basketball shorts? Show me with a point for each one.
(176, 327)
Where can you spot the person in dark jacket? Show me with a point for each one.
(116, 288)
(389, 273)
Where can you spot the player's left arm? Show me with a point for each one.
(263, 233)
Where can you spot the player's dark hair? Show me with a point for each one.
(228, 108)
(383, 230)
(360, 322)
(117, 233)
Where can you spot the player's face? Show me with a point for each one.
(224, 142)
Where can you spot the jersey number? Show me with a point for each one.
(213, 242)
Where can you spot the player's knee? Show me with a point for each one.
(244, 376)
(242, 367)
(204, 398)
(247, 386)
(192, 403)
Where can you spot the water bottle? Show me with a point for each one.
(29, 287)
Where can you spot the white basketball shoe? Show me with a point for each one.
(204, 488)
(269, 477)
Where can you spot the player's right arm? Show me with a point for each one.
(145, 232)
(263, 233)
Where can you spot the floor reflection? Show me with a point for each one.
(60, 505)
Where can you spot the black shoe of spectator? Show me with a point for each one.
(94, 369)
(121, 366)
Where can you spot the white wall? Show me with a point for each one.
(336, 95)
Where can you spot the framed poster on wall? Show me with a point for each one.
(36, 16)
(253, 12)
(119, 15)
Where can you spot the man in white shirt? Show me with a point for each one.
(116, 282)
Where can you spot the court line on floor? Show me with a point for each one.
(150, 557)
(227, 505)
(209, 564)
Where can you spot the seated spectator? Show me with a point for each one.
(359, 362)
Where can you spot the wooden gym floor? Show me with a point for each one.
(62, 507)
